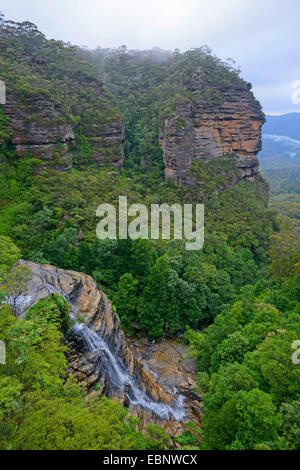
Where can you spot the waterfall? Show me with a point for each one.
(110, 364)
(101, 353)
(113, 368)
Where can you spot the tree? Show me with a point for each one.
(232, 349)
(157, 306)
(247, 419)
(272, 365)
(223, 385)
(142, 258)
(9, 254)
(15, 288)
(257, 421)
(289, 424)
(62, 251)
(284, 251)
(126, 299)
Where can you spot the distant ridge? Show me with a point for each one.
(286, 124)
(281, 141)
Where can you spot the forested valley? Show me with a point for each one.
(235, 303)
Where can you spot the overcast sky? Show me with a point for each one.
(262, 36)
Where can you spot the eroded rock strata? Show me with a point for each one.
(42, 130)
(39, 135)
(147, 389)
(229, 123)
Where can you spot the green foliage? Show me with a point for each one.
(158, 306)
(42, 409)
(285, 252)
(15, 286)
(53, 310)
(147, 86)
(247, 323)
(285, 197)
(57, 424)
(191, 438)
(126, 299)
(215, 174)
(247, 375)
(157, 438)
(243, 421)
(9, 254)
(289, 424)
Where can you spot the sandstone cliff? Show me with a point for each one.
(216, 120)
(57, 109)
(42, 136)
(42, 131)
(101, 357)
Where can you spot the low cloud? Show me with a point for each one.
(260, 36)
(284, 139)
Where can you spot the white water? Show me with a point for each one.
(112, 367)
(120, 379)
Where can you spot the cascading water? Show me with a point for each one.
(111, 365)
(115, 370)
(101, 357)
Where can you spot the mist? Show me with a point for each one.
(260, 36)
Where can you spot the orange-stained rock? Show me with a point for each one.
(169, 362)
(231, 125)
(161, 372)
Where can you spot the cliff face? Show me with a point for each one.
(101, 356)
(217, 121)
(42, 131)
(57, 109)
(43, 136)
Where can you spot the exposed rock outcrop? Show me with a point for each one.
(41, 130)
(41, 134)
(102, 358)
(217, 121)
(169, 363)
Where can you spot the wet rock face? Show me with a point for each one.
(229, 124)
(141, 379)
(169, 363)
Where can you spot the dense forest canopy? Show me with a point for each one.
(148, 83)
(237, 301)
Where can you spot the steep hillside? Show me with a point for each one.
(80, 128)
(182, 110)
(200, 130)
(191, 106)
(57, 110)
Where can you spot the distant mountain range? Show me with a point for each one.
(281, 141)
